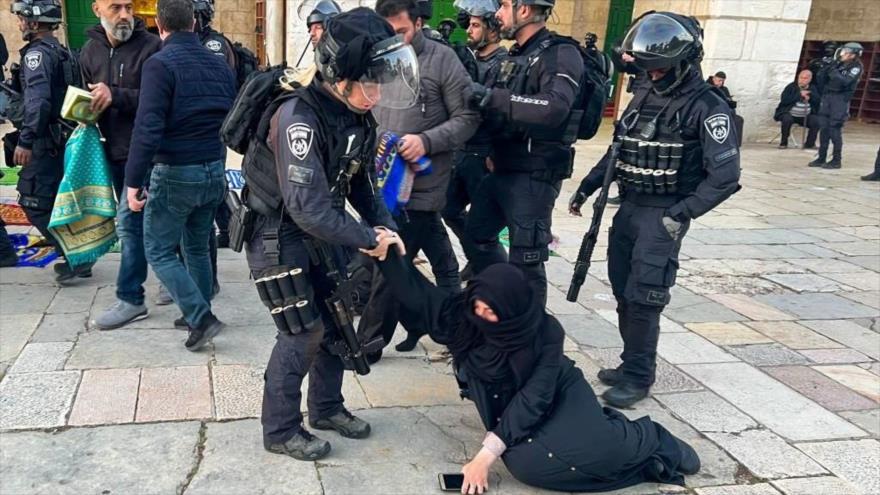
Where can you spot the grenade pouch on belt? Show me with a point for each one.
(285, 291)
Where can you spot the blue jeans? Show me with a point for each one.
(130, 229)
(180, 211)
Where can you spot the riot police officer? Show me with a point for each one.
(324, 10)
(678, 160)
(818, 65)
(46, 69)
(484, 56)
(323, 141)
(529, 112)
(839, 83)
(211, 38)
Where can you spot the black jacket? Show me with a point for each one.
(841, 80)
(791, 95)
(120, 69)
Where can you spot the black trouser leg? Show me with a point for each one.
(812, 131)
(325, 377)
(640, 343)
(6, 248)
(786, 120)
(222, 218)
(836, 136)
(438, 250)
(484, 222)
(877, 163)
(824, 138)
(289, 363)
(38, 185)
(470, 169)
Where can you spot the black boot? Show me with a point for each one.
(303, 446)
(624, 395)
(833, 164)
(609, 376)
(412, 339)
(345, 423)
(63, 271)
(818, 162)
(615, 200)
(207, 330)
(873, 176)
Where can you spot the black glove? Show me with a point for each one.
(576, 202)
(479, 96)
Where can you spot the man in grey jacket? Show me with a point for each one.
(437, 125)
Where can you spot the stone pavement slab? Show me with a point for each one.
(756, 489)
(835, 356)
(424, 384)
(42, 356)
(73, 299)
(681, 348)
(806, 282)
(733, 333)
(868, 262)
(817, 306)
(688, 310)
(862, 381)
(706, 412)
(855, 461)
(36, 400)
(168, 394)
(133, 349)
(793, 335)
(108, 459)
(238, 391)
(234, 462)
(767, 354)
(669, 378)
(850, 334)
(863, 280)
(766, 455)
(106, 397)
(251, 345)
(826, 266)
(771, 403)
(867, 420)
(870, 298)
(825, 391)
(748, 306)
(591, 330)
(25, 299)
(15, 331)
(63, 327)
(820, 485)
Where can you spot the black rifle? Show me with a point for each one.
(9, 90)
(582, 265)
(340, 304)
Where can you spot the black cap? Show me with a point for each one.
(721, 75)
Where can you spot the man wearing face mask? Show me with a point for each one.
(111, 64)
(678, 160)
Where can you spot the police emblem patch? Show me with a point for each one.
(32, 59)
(299, 139)
(718, 127)
(855, 71)
(213, 45)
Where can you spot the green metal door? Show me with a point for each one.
(443, 9)
(619, 18)
(79, 18)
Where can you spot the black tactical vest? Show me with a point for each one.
(661, 154)
(350, 139)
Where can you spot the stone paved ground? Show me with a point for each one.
(768, 365)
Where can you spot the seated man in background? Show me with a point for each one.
(799, 104)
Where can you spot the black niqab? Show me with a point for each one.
(507, 349)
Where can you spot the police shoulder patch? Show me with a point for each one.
(213, 45)
(855, 71)
(299, 139)
(32, 59)
(718, 126)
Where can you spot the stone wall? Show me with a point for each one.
(590, 16)
(11, 34)
(844, 20)
(236, 19)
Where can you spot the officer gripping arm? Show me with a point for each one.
(308, 198)
(842, 78)
(551, 105)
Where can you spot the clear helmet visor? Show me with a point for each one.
(392, 78)
(657, 36)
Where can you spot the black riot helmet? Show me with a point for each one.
(203, 10)
(425, 9)
(323, 10)
(43, 11)
(851, 47)
(665, 40)
(541, 16)
(485, 10)
(829, 48)
(360, 46)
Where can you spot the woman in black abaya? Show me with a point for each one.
(541, 416)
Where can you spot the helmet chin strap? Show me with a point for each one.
(510, 34)
(344, 96)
